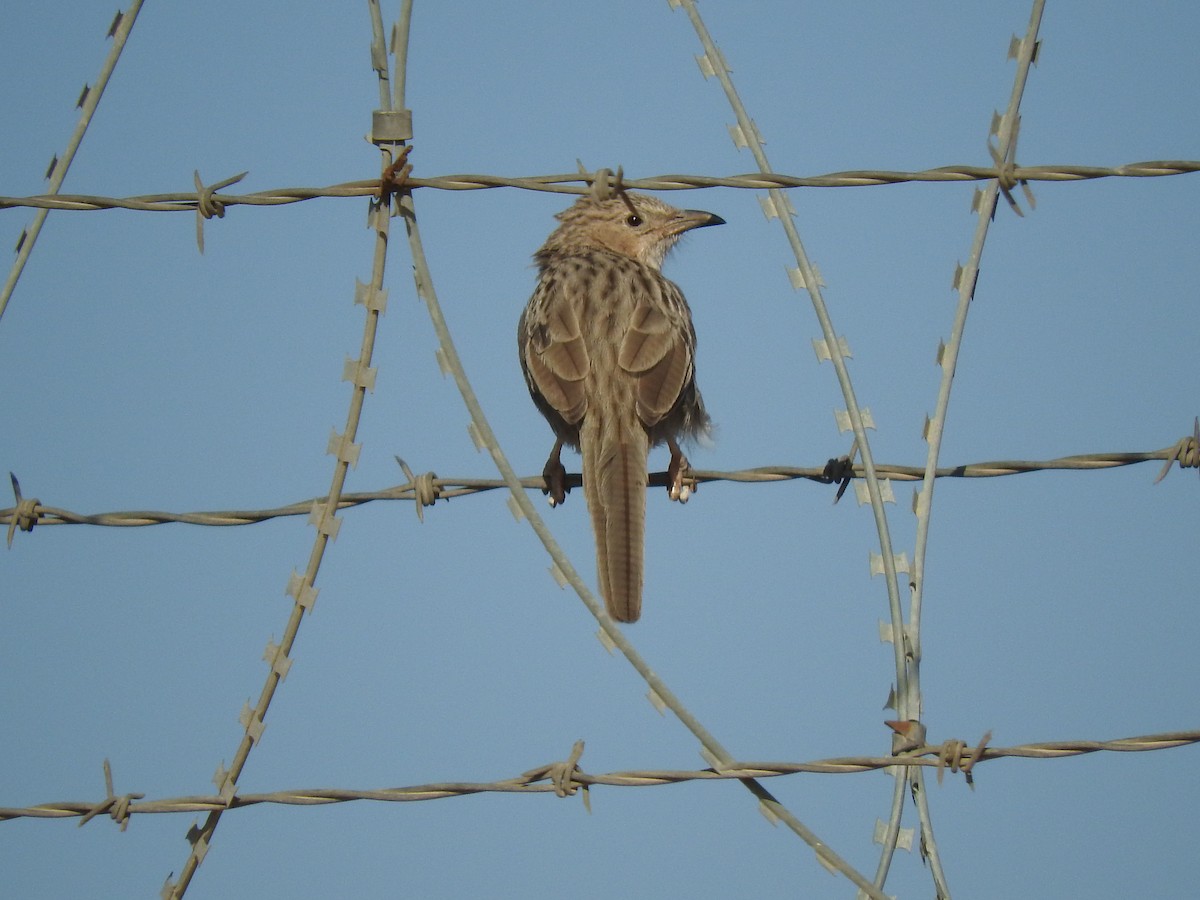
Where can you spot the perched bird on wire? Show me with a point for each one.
(608, 350)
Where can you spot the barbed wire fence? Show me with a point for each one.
(393, 196)
(426, 489)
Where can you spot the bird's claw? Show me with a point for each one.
(555, 476)
(680, 485)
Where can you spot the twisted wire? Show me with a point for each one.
(577, 183)
(804, 276)
(550, 778)
(425, 489)
(302, 587)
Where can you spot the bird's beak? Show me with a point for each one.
(687, 219)
(698, 218)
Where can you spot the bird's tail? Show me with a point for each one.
(614, 482)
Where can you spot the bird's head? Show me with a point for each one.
(634, 225)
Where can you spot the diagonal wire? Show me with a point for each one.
(612, 633)
(119, 31)
(746, 134)
(486, 438)
(323, 515)
(966, 278)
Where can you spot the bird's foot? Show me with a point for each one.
(680, 484)
(555, 476)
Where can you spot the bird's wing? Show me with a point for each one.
(555, 355)
(656, 351)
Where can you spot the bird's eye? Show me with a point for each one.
(633, 221)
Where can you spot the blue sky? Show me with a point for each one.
(140, 374)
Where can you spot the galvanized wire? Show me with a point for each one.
(965, 279)
(562, 780)
(426, 489)
(1006, 129)
(576, 183)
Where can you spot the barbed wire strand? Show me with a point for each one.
(778, 205)
(426, 489)
(565, 780)
(89, 100)
(574, 183)
(302, 588)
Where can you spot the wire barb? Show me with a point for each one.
(840, 471)
(395, 177)
(24, 514)
(562, 776)
(955, 755)
(604, 183)
(1006, 168)
(425, 488)
(208, 204)
(117, 807)
(1186, 452)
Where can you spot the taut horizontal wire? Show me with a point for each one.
(576, 183)
(428, 488)
(551, 779)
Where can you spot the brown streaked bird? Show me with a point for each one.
(608, 350)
